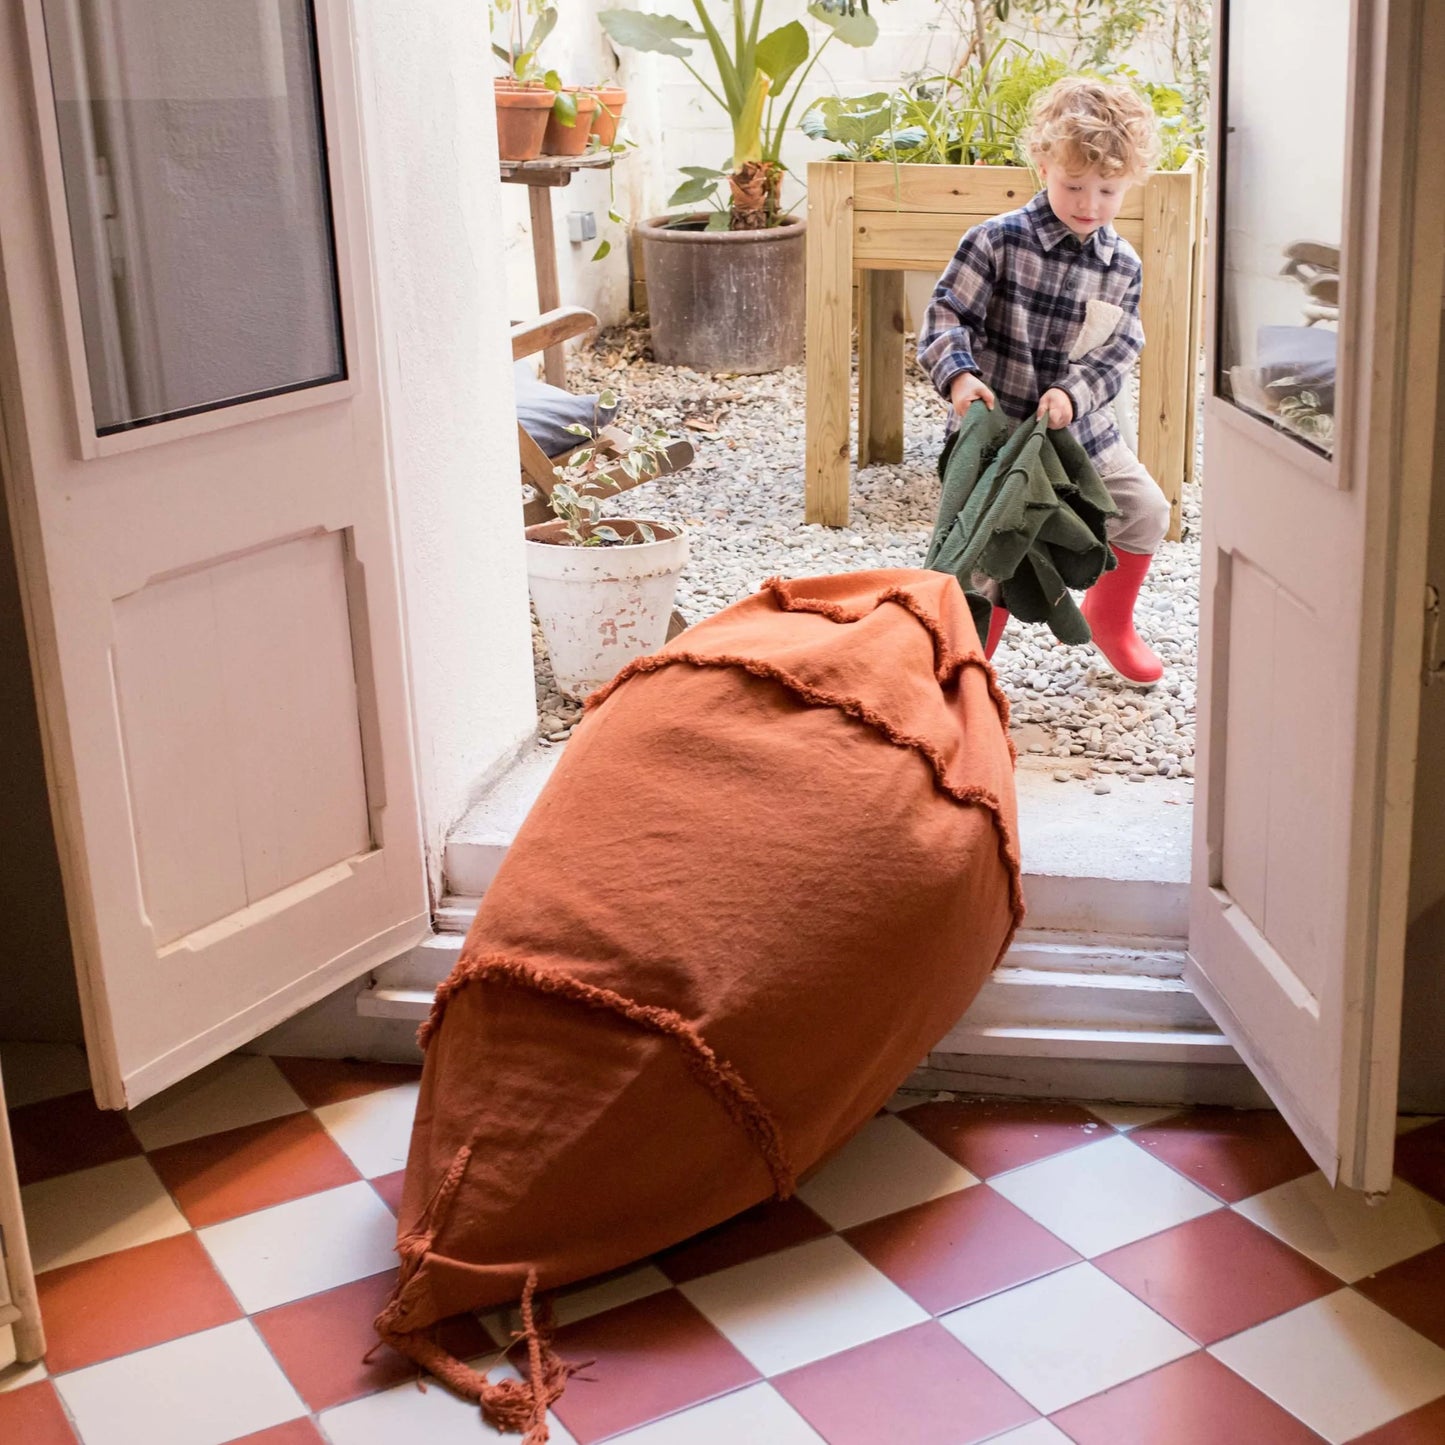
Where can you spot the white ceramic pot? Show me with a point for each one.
(602, 606)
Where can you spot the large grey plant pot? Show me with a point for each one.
(725, 300)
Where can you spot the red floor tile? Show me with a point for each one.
(250, 1168)
(1233, 1153)
(1413, 1291)
(1425, 1426)
(763, 1230)
(389, 1187)
(293, 1432)
(328, 1081)
(951, 1251)
(650, 1358)
(1217, 1275)
(59, 1136)
(129, 1300)
(990, 1136)
(34, 1415)
(321, 1342)
(1420, 1159)
(919, 1386)
(1194, 1401)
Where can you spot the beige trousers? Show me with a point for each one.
(1143, 509)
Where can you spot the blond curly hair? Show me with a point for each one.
(1084, 124)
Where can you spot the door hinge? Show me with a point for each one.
(1433, 671)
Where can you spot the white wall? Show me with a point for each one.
(446, 367)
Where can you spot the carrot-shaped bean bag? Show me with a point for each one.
(772, 868)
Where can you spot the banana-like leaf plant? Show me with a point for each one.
(760, 77)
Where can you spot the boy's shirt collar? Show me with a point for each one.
(1051, 231)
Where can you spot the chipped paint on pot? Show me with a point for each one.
(600, 607)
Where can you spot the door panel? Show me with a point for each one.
(194, 448)
(1318, 428)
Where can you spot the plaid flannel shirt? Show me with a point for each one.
(1010, 306)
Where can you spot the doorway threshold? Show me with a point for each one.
(1094, 977)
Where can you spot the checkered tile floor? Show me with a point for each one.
(1013, 1272)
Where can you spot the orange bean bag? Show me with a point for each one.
(772, 868)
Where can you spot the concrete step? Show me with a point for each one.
(1114, 864)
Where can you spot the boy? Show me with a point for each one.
(1038, 312)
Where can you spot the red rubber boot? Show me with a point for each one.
(1109, 610)
(997, 621)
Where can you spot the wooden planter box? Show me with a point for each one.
(881, 221)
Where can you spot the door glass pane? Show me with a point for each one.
(194, 160)
(1282, 207)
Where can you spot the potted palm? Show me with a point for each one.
(725, 285)
(603, 587)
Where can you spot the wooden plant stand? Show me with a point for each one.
(540, 176)
(882, 221)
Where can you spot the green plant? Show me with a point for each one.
(759, 79)
(587, 477)
(975, 116)
(519, 54)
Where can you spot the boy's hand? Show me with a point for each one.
(966, 389)
(1057, 406)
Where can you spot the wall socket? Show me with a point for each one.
(581, 226)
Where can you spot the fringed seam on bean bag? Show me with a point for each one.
(971, 795)
(718, 1076)
(514, 1406)
(947, 665)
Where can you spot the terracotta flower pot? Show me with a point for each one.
(610, 101)
(570, 140)
(522, 114)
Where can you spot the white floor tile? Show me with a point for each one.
(1338, 1229)
(1131, 1116)
(888, 1167)
(1067, 1336)
(199, 1390)
(1341, 1364)
(1039, 1433)
(97, 1211)
(42, 1071)
(1107, 1195)
(757, 1415)
(374, 1130)
(802, 1304)
(405, 1414)
(239, 1089)
(303, 1247)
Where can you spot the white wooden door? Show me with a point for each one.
(1316, 492)
(193, 452)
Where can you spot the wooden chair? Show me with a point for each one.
(530, 337)
(551, 329)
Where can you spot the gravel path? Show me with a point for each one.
(742, 500)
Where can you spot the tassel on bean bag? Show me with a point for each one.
(772, 868)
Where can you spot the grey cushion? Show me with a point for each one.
(1293, 359)
(545, 412)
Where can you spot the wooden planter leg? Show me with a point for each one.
(829, 332)
(1166, 369)
(544, 258)
(880, 366)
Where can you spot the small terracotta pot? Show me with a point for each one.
(522, 114)
(610, 101)
(570, 140)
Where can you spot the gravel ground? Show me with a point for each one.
(742, 501)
